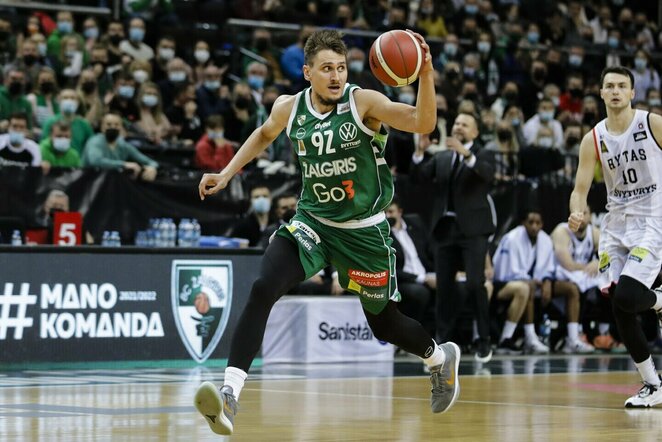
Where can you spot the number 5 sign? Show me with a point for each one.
(67, 228)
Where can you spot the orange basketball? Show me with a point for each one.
(396, 58)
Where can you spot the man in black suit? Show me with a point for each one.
(414, 262)
(461, 222)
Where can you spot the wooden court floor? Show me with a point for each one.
(544, 399)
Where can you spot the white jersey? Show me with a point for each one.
(582, 251)
(632, 167)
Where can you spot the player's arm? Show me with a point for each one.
(561, 240)
(655, 122)
(421, 118)
(583, 180)
(257, 142)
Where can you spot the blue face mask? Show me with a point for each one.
(65, 27)
(640, 63)
(261, 204)
(484, 47)
(68, 106)
(150, 100)
(471, 9)
(515, 121)
(575, 60)
(126, 91)
(356, 66)
(136, 34)
(654, 102)
(61, 144)
(91, 33)
(212, 85)
(450, 49)
(406, 98)
(16, 138)
(255, 81)
(533, 37)
(612, 42)
(214, 135)
(177, 76)
(546, 116)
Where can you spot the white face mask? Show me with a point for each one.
(61, 144)
(167, 53)
(201, 55)
(140, 76)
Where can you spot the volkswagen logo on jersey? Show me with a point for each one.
(348, 131)
(201, 302)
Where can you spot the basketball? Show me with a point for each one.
(396, 58)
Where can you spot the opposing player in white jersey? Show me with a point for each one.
(628, 144)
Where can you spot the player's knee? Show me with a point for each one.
(627, 293)
(264, 290)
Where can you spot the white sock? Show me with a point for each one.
(508, 330)
(573, 331)
(235, 377)
(530, 333)
(438, 357)
(603, 328)
(647, 372)
(475, 330)
(658, 303)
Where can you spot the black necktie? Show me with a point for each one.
(450, 206)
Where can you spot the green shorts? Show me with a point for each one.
(363, 257)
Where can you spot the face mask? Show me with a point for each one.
(471, 96)
(70, 52)
(136, 34)
(262, 44)
(515, 121)
(115, 39)
(572, 140)
(88, 87)
(406, 98)
(356, 66)
(576, 92)
(452, 74)
(15, 88)
(575, 60)
(450, 49)
(533, 37)
(16, 138)
(214, 135)
(546, 116)
(510, 96)
(212, 85)
(177, 76)
(545, 142)
(255, 81)
(484, 47)
(655, 102)
(166, 53)
(47, 87)
(589, 116)
(150, 100)
(539, 74)
(140, 76)
(288, 214)
(42, 48)
(471, 9)
(504, 135)
(612, 42)
(65, 27)
(92, 33)
(469, 72)
(391, 221)
(640, 64)
(261, 204)
(201, 55)
(112, 134)
(126, 91)
(29, 60)
(242, 103)
(556, 101)
(61, 144)
(68, 106)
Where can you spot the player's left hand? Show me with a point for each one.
(575, 220)
(427, 57)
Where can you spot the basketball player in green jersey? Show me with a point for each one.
(336, 131)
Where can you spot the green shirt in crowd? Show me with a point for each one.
(70, 158)
(98, 153)
(81, 131)
(10, 105)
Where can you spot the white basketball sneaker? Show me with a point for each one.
(648, 396)
(577, 347)
(535, 347)
(218, 406)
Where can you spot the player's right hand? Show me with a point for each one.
(210, 183)
(575, 220)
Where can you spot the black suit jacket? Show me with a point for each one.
(470, 189)
(419, 236)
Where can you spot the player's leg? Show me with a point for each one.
(532, 343)
(570, 291)
(517, 292)
(279, 271)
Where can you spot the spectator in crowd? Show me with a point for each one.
(292, 59)
(40, 42)
(571, 100)
(91, 106)
(109, 150)
(161, 9)
(208, 94)
(602, 24)
(112, 39)
(284, 208)
(591, 111)
(257, 219)
(533, 86)
(141, 71)
(645, 38)
(201, 60)
(28, 61)
(431, 20)
(262, 46)
(70, 63)
(43, 99)
(99, 62)
(509, 96)
(515, 117)
(523, 264)
(451, 51)
(13, 99)
(7, 40)
(178, 73)
(613, 45)
(65, 27)
(153, 123)
(576, 271)
(121, 100)
(544, 119)
(16, 149)
(451, 84)
(165, 51)
(256, 77)
(506, 150)
(461, 222)
(358, 73)
(417, 281)
(183, 115)
(81, 130)
(91, 33)
(213, 151)
(134, 45)
(572, 136)
(553, 92)
(645, 75)
(56, 149)
(241, 108)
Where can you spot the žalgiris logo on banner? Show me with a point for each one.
(201, 301)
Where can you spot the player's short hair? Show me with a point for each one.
(19, 115)
(616, 70)
(321, 40)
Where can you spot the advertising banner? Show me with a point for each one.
(69, 307)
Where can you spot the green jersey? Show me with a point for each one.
(344, 173)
